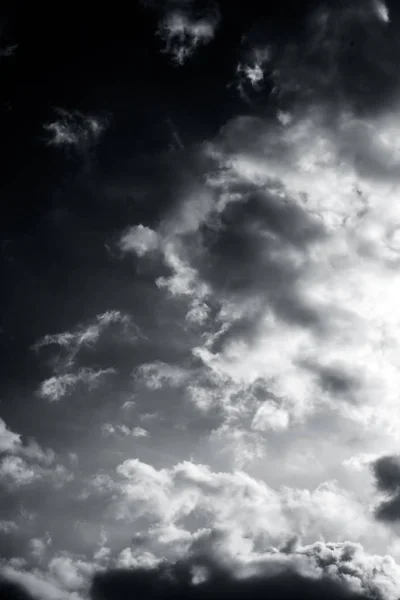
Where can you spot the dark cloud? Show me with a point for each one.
(176, 582)
(333, 379)
(387, 474)
(316, 58)
(247, 257)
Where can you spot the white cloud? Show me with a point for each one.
(70, 573)
(128, 404)
(360, 461)
(183, 33)
(341, 180)
(16, 472)
(86, 336)
(128, 559)
(381, 10)
(38, 547)
(140, 240)
(139, 432)
(250, 71)
(158, 374)
(75, 129)
(36, 584)
(9, 441)
(58, 386)
(109, 429)
(65, 577)
(179, 502)
(8, 526)
(71, 343)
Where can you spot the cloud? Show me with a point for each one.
(175, 506)
(292, 248)
(250, 71)
(317, 64)
(87, 336)
(22, 464)
(76, 130)
(109, 429)
(184, 31)
(11, 442)
(381, 11)
(324, 570)
(38, 547)
(128, 405)
(387, 475)
(157, 375)
(17, 582)
(8, 526)
(8, 51)
(72, 344)
(140, 240)
(59, 386)
(15, 472)
(360, 461)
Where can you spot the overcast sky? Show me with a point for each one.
(200, 315)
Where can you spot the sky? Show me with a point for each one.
(199, 325)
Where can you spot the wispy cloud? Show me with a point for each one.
(74, 129)
(71, 343)
(58, 386)
(8, 51)
(183, 33)
(86, 336)
(158, 374)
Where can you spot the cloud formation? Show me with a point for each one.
(22, 464)
(262, 263)
(75, 130)
(387, 475)
(71, 344)
(183, 34)
(328, 570)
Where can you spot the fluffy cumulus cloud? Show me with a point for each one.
(289, 259)
(186, 504)
(58, 386)
(22, 464)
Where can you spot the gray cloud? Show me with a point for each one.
(333, 42)
(334, 571)
(8, 51)
(184, 29)
(387, 475)
(75, 130)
